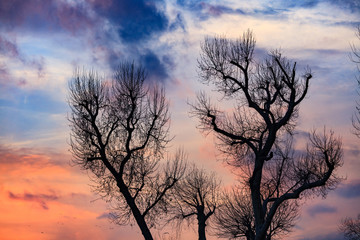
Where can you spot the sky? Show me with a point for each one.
(43, 196)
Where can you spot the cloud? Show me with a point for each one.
(218, 10)
(204, 10)
(41, 18)
(76, 18)
(350, 190)
(297, 4)
(279, 9)
(39, 198)
(178, 22)
(135, 24)
(4, 74)
(350, 5)
(134, 20)
(327, 236)
(21, 156)
(14, 159)
(45, 15)
(321, 209)
(106, 215)
(154, 66)
(8, 48)
(120, 29)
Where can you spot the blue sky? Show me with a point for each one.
(43, 41)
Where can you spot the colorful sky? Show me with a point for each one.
(42, 41)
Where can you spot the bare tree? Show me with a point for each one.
(235, 219)
(355, 57)
(257, 134)
(119, 131)
(197, 195)
(351, 228)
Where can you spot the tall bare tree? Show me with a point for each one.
(355, 57)
(197, 196)
(235, 219)
(119, 131)
(256, 135)
(351, 228)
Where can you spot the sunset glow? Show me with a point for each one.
(44, 196)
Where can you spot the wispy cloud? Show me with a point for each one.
(326, 236)
(106, 215)
(321, 209)
(44, 160)
(40, 198)
(45, 15)
(349, 190)
(10, 50)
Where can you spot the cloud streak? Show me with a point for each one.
(327, 236)
(321, 209)
(350, 190)
(106, 215)
(10, 50)
(40, 198)
(45, 15)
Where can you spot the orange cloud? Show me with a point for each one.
(43, 197)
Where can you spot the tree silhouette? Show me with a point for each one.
(355, 57)
(257, 134)
(235, 219)
(197, 195)
(119, 131)
(351, 228)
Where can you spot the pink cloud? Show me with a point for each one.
(10, 50)
(45, 15)
(75, 18)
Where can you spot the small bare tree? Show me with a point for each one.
(351, 228)
(235, 219)
(257, 134)
(119, 131)
(197, 195)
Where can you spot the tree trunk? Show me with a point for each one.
(250, 235)
(201, 230)
(201, 223)
(255, 182)
(139, 218)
